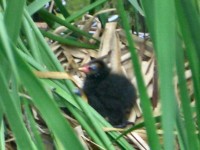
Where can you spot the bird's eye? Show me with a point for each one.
(93, 67)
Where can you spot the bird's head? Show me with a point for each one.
(95, 68)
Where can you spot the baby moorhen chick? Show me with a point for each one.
(112, 95)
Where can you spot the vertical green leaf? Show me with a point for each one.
(189, 22)
(22, 137)
(192, 138)
(31, 40)
(13, 22)
(35, 135)
(2, 137)
(149, 11)
(165, 38)
(145, 101)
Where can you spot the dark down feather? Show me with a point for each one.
(112, 95)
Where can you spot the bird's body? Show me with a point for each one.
(112, 95)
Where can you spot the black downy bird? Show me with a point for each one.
(112, 95)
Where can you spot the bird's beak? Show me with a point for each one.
(84, 69)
